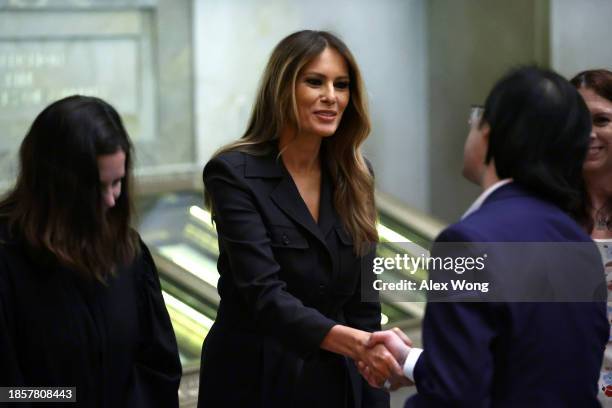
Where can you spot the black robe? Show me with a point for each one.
(113, 342)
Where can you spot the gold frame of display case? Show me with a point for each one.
(399, 224)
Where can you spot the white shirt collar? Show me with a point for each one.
(484, 195)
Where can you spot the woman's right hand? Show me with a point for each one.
(353, 343)
(399, 345)
(381, 363)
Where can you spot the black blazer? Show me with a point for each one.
(284, 282)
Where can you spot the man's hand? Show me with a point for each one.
(381, 364)
(398, 344)
(395, 341)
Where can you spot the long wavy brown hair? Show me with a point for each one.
(275, 107)
(55, 207)
(600, 82)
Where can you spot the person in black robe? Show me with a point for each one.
(80, 299)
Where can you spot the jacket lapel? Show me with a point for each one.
(286, 196)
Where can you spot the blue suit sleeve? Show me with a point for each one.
(456, 366)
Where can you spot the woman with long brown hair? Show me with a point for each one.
(595, 86)
(80, 299)
(293, 203)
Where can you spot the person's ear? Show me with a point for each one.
(485, 130)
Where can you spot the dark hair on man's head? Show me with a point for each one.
(56, 206)
(539, 135)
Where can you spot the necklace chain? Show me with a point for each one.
(602, 218)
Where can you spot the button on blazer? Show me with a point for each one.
(285, 280)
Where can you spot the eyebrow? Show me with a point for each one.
(601, 111)
(116, 178)
(315, 73)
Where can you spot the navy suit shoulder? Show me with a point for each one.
(512, 214)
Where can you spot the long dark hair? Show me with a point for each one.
(56, 207)
(600, 82)
(275, 106)
(540, 129)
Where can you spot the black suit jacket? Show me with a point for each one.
(284, 282)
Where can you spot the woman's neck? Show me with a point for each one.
(300, 153)
(599, 191)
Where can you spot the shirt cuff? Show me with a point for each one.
(410, 363)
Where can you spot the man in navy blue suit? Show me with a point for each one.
(525, 149)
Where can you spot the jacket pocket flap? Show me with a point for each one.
(287, 237)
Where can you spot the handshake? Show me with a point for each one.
(382, 359)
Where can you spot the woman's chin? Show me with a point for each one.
(327, 131)
(598, 166)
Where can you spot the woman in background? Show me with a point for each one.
(595, 86)
(80, 299)
(293, 202)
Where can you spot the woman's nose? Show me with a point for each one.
(108, 198)
(329, 93)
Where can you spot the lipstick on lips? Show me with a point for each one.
(326, 115)
(595, 148)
